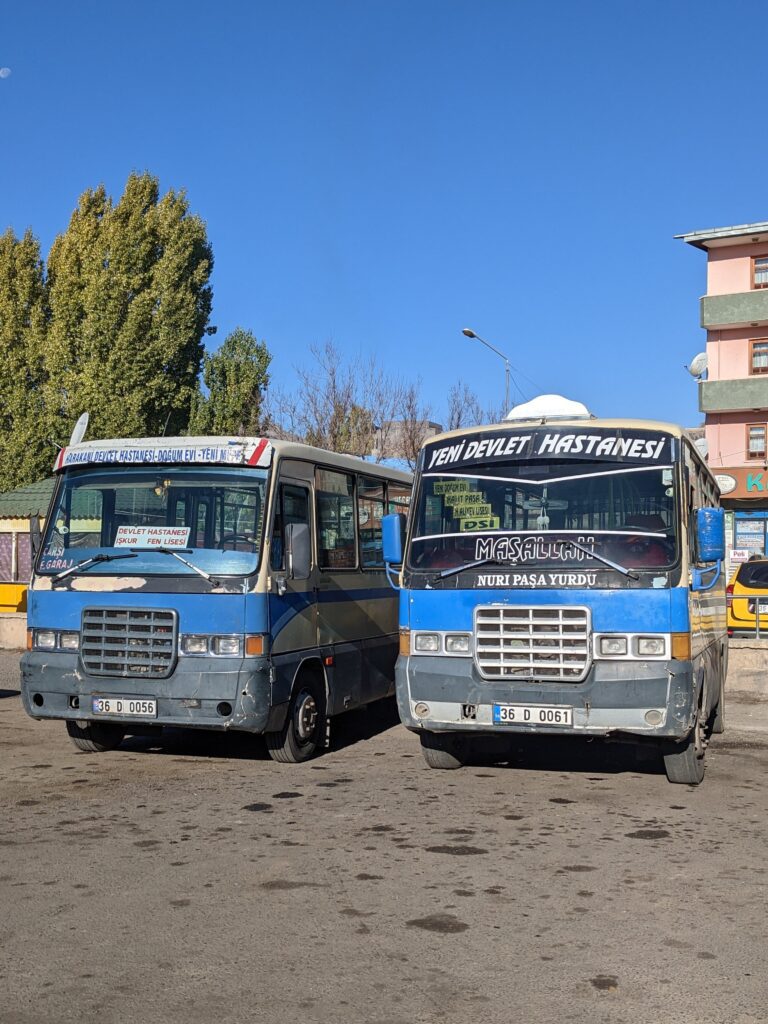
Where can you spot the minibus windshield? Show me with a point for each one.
(547, 514)
(214, 514)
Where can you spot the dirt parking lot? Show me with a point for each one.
(194, 880)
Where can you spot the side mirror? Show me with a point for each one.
(393, 537)
(298, 551)
(35, 535)
(710, 534)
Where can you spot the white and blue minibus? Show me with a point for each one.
(562, 576)
(211, 583)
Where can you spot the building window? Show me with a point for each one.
(756, 441)
(760, 272)
(758, 355)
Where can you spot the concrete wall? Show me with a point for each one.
(13, 632)
(748, 667)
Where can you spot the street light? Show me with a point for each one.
(471, 334)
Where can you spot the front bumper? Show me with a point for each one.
(615, 697)
(190, 698)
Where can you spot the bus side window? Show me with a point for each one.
(336, 527)
(292, 506)
(370, 509)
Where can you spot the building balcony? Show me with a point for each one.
(739, 310)
(741, 395)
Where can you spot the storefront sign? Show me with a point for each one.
(743, 482)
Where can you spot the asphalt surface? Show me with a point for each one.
(194, 880)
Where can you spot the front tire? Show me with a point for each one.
(443, 750)
(684, 763)
(95, 737)
(302, 733)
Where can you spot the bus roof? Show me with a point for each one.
(557, 424)
(211, 451)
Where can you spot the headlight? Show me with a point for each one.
(650, 646)
(613, 646)
(191, 644)
(227, 645)
(429, 642)
(457, 643)
(45, 639)
(69, 641)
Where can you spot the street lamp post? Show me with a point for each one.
(471, 334)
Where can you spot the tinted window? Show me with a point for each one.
(753, 574)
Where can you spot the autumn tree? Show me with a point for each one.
(236, 376)
(344, 406)
(129, 303)
(25, 451)
(415, 424)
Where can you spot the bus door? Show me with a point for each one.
(292, 602)
(340, 617)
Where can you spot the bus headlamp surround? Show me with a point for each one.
(631, 646)
(222, 645)
(442, 643)
(55, 640)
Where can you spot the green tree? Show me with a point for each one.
(26, 454)
(129, 303)
(236, 375)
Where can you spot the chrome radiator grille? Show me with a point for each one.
(132, 642)
(544, 643)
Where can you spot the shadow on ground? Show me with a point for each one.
(9, 693)
(346, 731)
(566, 754)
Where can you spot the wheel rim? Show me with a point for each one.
(305, 717)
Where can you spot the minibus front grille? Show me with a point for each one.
(545, 643)
(137, 643)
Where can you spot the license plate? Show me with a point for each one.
(531, 714)
(125, 707)
(763, 608)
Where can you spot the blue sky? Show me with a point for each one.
(383, 174)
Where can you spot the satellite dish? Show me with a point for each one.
(698, 365)
(703, 446)
(80, 428)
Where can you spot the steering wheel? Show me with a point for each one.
(233, 538)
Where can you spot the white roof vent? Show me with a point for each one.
(549, 407)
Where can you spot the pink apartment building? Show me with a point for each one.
(734, 397)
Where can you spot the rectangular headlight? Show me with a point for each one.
(457, 643)
(69, 641)
(650, 646)
(228, 645)
(429, 642)
(192, 644)
(45, 639)
(613, 646)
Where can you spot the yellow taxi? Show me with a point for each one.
(747, 599)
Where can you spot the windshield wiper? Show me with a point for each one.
(103, 557)
(606, 561)
(172, 551)
(473, 565)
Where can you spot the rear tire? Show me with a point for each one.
(684, 763)
(443, 750)
(302, 734)
(95, 737)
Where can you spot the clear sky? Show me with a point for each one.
(383, 173)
